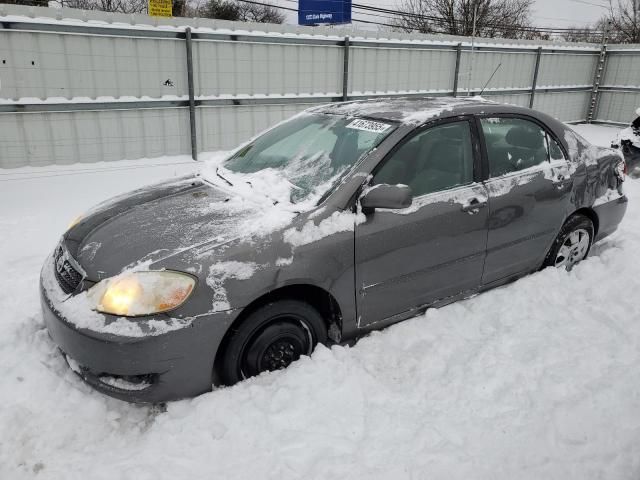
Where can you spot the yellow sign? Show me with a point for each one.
(160, 8)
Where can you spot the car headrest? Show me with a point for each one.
(524, 137)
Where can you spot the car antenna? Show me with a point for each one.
(494, 72)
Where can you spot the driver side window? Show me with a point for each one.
(436, 159)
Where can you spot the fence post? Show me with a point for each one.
(534, 82)
(192, 102)
(345, 71)
(456, 73)
(598, 75)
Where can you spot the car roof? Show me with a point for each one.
(415, 109)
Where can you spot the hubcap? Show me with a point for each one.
(573, 249)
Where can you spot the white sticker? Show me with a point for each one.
(368, 125)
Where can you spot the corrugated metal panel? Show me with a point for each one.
(566, 69)
(516, 69)
(522, 100)
(257, 61)
(400, 70)
(618, 106)
(565, 106)
(623, 70)
(72, 137)
(224, 128)
(45, 65)
(231, 68)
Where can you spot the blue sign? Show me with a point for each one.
(313, 12)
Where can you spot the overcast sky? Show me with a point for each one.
(554, 13)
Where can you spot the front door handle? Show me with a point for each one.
(474, 205)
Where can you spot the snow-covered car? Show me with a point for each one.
(344, 219)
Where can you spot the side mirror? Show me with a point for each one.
(386, 196)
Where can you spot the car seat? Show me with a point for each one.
(527, 147)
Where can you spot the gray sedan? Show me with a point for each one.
(344, 219)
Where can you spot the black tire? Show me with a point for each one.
(271, 338)
(576, 224)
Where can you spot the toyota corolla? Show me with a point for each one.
(344, 219)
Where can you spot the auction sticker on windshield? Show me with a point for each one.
(369, 126)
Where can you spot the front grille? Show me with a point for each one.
(68, 277)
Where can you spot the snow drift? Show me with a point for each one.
(538, 379)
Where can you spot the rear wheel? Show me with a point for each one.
(271, 338)
(572, 243)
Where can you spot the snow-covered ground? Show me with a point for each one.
(538, 379)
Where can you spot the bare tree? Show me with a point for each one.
(240, 11)
(250, 12)
(624, 16)
(120, 6)
(587, 33)
(494, 18)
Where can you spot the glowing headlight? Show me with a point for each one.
(74, 222)
(141, 293)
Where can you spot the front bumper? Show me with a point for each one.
(169, 366)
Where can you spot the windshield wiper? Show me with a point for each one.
(220, 176)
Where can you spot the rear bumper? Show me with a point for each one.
(610, 215)
(169, 366)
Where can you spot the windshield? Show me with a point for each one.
(310, 151)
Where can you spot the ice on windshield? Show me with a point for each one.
(303, 156)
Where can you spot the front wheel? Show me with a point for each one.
(572, 244)
(271, 338)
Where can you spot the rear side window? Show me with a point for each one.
(513, 144)
(555, 152)
(434, 160)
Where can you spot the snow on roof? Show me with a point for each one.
(413, 110)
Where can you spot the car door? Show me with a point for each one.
(529, 189)
(409, 258)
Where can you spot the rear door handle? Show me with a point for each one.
(474, 205)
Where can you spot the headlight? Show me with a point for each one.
(74, 222)
(141, 293)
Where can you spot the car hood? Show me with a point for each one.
(151, 224)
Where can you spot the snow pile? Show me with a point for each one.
(538, 379)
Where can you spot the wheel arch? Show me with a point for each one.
(317, 297)
(591, 215)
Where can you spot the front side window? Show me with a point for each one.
(513, 144)
(436, 159)
(310, 151)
